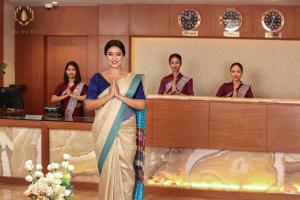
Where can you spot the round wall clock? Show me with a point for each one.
(272, 20)
(231, 20)
(189, 19)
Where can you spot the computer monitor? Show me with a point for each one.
(11, 97)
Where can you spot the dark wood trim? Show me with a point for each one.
(213, 37)
(12, 180)
(45, 85)
(45, 147)
(20, 123)
(176, 192)
(1, 37)
(85, 186)
(68, 125)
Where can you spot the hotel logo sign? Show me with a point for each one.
(24, 15)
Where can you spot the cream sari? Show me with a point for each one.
(115, 137)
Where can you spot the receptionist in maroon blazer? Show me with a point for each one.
(176, 83)
(235, 88)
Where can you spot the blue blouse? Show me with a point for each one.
(98, 84)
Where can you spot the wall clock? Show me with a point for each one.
(189, 19)
(272, 20)
(231, 20)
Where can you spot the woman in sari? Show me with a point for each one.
(119, 101)
(176, 83)
(71, 93)
(235, 88)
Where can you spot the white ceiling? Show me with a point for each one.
(96, 2)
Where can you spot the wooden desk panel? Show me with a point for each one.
(283, 128)
(238, 126)
(178, 123)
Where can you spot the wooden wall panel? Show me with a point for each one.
(150, 20)
(203, 29)
(30, 69)
(283, 128)
(297, 20)
(149, 125)
(113, 19)
(62, 49)
(34, 95)
(174, 123)
(217, 11)
(238, 126)
(102, 62)
(92, 54)
(1, 36)
(288, 30)
(29, 56)
(64, 20)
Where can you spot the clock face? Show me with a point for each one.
(231, 20)
(272, 20)
(189, 19)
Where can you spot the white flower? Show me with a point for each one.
(39, 167)
(66, 157)
(28, 165)
(64, 164)
(39, 174)
(55, 165)
(50, 178)
(48, 185)
(49, 191)
(71, 168)
(57, 182)
(67, 193)
(29, 178)
(49, 167)
(28, 162)
(35, 189)
(58, 175)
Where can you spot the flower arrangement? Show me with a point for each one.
(55, 185)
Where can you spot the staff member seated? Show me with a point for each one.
(235, 88)
(176, 83)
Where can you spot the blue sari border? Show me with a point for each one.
(117, 123)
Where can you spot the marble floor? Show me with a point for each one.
(15, 192)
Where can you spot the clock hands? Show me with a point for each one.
(272, 20)
(190, 15)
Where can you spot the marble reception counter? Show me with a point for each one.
(201, 143)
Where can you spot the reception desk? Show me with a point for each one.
(214, 147)
(224, 123)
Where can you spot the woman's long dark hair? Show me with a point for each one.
(77, 77)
